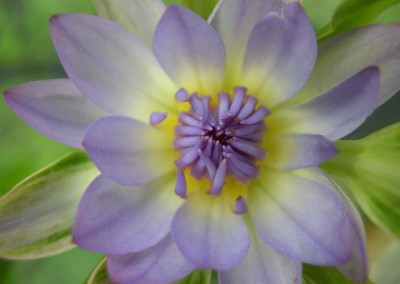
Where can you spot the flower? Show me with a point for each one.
(208, 139)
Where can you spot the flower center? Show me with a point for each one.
(222, 140)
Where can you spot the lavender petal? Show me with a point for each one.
(55, 108)
(209, 234)
(188, 47)
(160, 264)
(127, 151)
(356, 267)
(281, 49)
(234, 20)
(342, 109)
(139, 17)
(301, 218)
(294, 151)
(263, 265)
(116, 219)
(110, 66)
(346, 54)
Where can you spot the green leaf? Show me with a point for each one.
(385, 268)
(37, 214)
(66, 268)
(320, 274)
(368, 169)
(200, 276)
(354, 13)
(320, 12)
(99, 274)
(201, 7)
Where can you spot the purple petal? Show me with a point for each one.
(55, 108)
(116, 219)
(139, 17)
(209, 234)
(346, 54)
(280, 55)
(356, 268)
(263, 265)
(300, 218)
(128, 151)
(110, 66)
(342, 109)
(190, 50)
(162, 263)
(234, 20)
(296, 151)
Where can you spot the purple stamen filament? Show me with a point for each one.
(216, 142)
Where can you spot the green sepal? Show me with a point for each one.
(354, 13)
(369, 170)
(320, 274)
(311, 275)
(202, 8)
(99, 274)
(36, 215)
(200, 276)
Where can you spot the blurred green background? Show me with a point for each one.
(27, 54)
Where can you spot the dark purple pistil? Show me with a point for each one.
(216, 142)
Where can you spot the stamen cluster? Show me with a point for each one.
(223, 140)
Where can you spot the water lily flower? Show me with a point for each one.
(208, 137)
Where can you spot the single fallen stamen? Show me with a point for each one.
(157, 117)
(182, 96)
(181, 186)
(240, 205)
